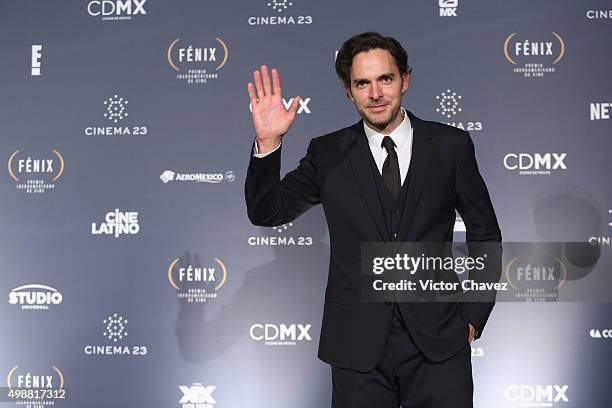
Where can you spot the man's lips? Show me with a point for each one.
(377, 108)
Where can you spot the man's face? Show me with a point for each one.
(376, 89)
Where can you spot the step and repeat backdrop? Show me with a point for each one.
(130, 273)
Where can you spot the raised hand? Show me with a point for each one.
(270, 118)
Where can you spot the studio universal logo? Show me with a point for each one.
(534, 58)
(536, 282)
(116, 10)
(196, 283)
(116, 112)
(115, 331)
(35, 297)
(117, 223)
(212, 178)
(35, 175)
(278, 15)
(197, 395)
(35, 388)
(197, 64)
(530, 164)
(281, 235)
(448, 104)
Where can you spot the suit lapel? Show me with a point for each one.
(422, 148)
(359, 155)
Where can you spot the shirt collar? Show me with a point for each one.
(399, 135)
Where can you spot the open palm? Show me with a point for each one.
(270, 117)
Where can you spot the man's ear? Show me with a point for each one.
(405, 81)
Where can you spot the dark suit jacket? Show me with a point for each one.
(443, 176)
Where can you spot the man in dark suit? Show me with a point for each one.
(390, 177)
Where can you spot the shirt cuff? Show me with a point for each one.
(260, 155)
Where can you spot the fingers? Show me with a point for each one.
(294, 105)
(252, 95)
(263, 86)
(276, 86)
(258, 84)
(266, 80)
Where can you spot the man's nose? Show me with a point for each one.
(375, 91)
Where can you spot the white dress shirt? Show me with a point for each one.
(401, 136)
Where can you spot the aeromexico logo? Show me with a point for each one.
(212, 178)
(35, 297)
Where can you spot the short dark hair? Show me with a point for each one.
(365, 42)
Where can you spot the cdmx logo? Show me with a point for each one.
(116, 9)
(538, 395)
(196, 283)
(180, 55)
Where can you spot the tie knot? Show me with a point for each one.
(388, 143)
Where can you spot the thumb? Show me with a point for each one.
(294, 105)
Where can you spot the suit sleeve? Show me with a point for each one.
(482, 229)
(271, 201)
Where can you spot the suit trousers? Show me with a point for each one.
(404, 377)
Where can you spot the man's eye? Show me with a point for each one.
(360, 84)
(386, 80)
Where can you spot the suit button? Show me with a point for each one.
(388, 303)
(395, 212)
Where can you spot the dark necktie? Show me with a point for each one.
(390, 170)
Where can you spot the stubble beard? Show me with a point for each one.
(381, 124)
